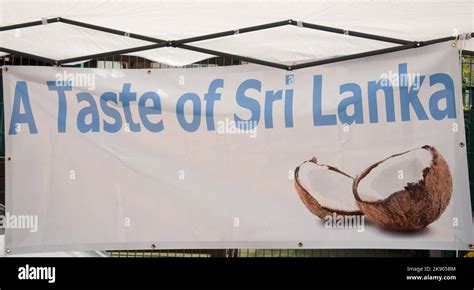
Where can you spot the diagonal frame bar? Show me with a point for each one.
(232, 32)
(110, 30)
(29, 24)
(109, 53)
(349, 32)
(234, 56)
(28, 55)
(355, 56)
(443, 39)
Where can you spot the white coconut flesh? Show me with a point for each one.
(394, 174)
(330, 188)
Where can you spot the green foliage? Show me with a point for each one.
(467, 74)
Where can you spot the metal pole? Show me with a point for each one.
(229, 55)
(114, 52)
(28, 55)
(29, 24)
(354, 56)
(468, 52)
(110, 30)
(349, 32)
(232, 32)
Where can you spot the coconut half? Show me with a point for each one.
(406, 191)
(324, 189)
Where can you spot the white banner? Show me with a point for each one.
(367, 153)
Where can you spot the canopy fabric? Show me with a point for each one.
(170, 20)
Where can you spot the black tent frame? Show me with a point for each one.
(184, 43)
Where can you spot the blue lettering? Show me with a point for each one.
(387, 88)
(110, 112)
(84, 112)
(21, 96)
(318, 118)
(447, 93)
(355, 100)
(62, 104)
(410, 96)
(196, 102)
(210, 98)
(126, 97)
(155, 109)
(246, 102)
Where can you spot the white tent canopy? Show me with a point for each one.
(172, 20)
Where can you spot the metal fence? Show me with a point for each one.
(134, 62)
(468, 99)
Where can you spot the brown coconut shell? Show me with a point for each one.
(311, 203)
(415, 206)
